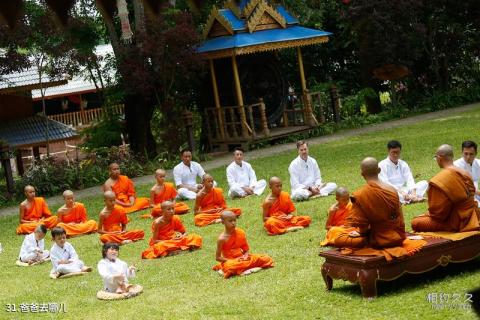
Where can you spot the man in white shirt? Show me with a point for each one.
(397, 173)
(241, 177)
(471, 164)
(305, 178)
(185, 175)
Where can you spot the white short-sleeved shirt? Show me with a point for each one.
(183, 174)
(397, 175)
(473, 169)
(241, 176)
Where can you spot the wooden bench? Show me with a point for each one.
(366, 270)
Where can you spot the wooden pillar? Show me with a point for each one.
(306, 99)
(217, 99)
(238, 90)
(5, 160)
(36, 152)
(19, 159)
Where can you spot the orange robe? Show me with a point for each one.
(168, 243)
(39, 213)
(167, 193)
(338, 218)
(213, 200)
(124, 189)
(114, 222)
(234, 248)
(75, 222)
(377, 215)
(275, 224)
(451, 204)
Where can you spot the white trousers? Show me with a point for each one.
(238, 192)
(301, 194)
(75, 266)
(185, 194)
(35, 256)
(420, 189)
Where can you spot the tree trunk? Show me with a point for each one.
(138, 113)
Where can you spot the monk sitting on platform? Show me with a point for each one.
(451, 199)
(113, 223)
(278, 211)
(124, 190)
(164, 191)
(33, 212)
(232, 251)
(340, 210)
(169, 235)
(375, 223)
(210, 203)
(72, 217)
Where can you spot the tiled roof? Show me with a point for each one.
(24, 78)
(31, 131)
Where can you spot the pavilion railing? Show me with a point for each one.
(84, 117)
(226, 123)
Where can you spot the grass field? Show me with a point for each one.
(185, 287)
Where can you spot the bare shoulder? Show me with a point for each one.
(62, 209)
(223, 237)
(105, 213)
(269, 200)
(24, 203)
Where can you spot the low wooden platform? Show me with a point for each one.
(366, 270)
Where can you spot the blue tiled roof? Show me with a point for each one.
(236, 23)
(243, 4)
(240, 40)
(31, 131)
(288, 17)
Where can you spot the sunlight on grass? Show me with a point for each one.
(185, 287)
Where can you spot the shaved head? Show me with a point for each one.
(67, 193)
(113, 164)
(227, 215)
(206, 176)
(369, 167)
(445, 151)
(166, 204)
(28, 187)
(160, 172)
(274, 180)
(342, 192)
(109, 195)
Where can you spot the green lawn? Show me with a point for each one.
(185, 287)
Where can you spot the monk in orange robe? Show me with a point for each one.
(124, 190)
(278, 211)
(113, 223)
(169, 235)
(340, 210)
(375, 223)
(72, 217)
(164, 191)
(232, 251)
(451, 199)
(33, 212)
(210, 203)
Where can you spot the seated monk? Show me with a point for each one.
(232, 251)
(164, 191)
(339, 211)
(375, 223)
(113, 223)
(210, 203)
(72, 217)
(33, 212)
(124, 190)
(451, 199)
(169, 235)
(278, 211)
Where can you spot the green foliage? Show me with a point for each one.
(106, 132)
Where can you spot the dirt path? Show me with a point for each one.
(227, 158)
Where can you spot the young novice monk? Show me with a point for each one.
(64, 257)
(169, 235)
(164, 191)
(340, 210)
(210, 203)
(72, 217)
(113, 223)
(278, 211)
(232, 251)
(33, 246)
(114, 272)
(34, 211)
